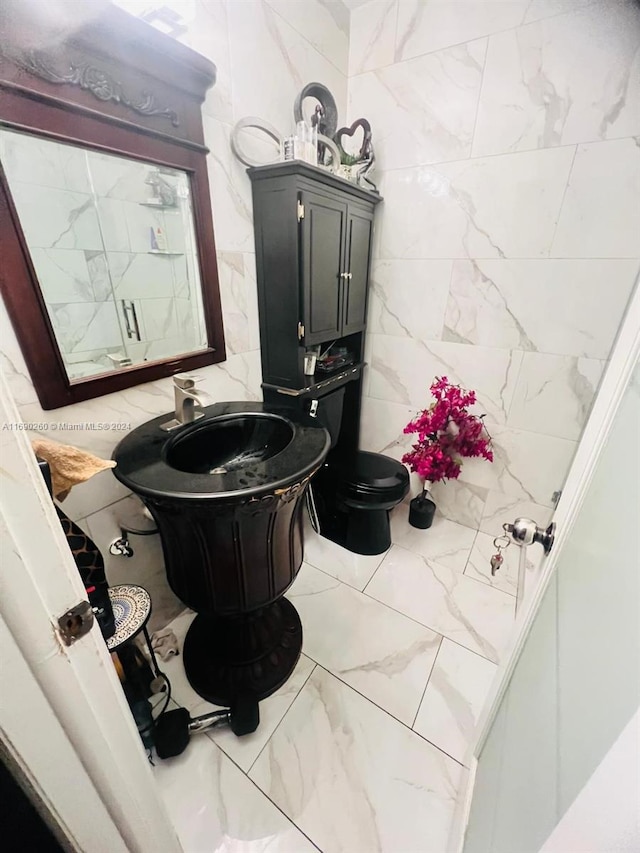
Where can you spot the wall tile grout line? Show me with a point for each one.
(475, 157)
(564, 195)
(397, 61)
(444, 316)
(314, 47)
(231, 74)
(508, 259)
(479, 101)
(88, 517)
(395, 35)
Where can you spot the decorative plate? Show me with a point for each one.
(131, 608)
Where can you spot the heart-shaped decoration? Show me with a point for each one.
(354, 154)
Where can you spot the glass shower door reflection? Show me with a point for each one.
(112, 242)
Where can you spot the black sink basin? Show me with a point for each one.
(230, 443)
(237, 451)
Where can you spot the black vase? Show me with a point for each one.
(421, 511)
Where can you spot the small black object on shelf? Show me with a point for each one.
(334, 363)
(421, 511)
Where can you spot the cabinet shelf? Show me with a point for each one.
(320, 383)
(160, 206)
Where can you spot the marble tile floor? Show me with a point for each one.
(364, 748)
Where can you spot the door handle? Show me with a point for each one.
(132, 331)
(524, 531)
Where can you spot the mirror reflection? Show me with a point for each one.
(112, 242)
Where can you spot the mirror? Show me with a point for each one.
(109, 271)
(112, 242)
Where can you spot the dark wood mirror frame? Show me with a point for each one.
(114, 84)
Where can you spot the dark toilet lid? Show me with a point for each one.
(375, 475)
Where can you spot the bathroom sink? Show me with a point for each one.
(227, 493)
(236, 451)
(230, 443)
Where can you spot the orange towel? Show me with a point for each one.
(69, 465)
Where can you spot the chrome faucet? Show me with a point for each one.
(188, 402)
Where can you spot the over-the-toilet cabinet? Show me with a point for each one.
(313, 252)
(335, 239)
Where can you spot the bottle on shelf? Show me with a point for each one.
(158, 240)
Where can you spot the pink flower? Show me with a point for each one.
(446, 433)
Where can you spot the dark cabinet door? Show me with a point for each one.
(322, 231)
(358, 251)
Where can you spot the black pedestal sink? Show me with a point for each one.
(227, 495)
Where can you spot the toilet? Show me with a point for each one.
(354, 491)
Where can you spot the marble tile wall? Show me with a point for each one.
(508, 155)
(265, 52)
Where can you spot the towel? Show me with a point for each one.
(164, 643)
(69, 465)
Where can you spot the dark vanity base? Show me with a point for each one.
(231, 538)
(255, 652)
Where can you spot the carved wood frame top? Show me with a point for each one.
(136, 73)
(99, 83)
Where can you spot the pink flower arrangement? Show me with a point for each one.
(447, 434)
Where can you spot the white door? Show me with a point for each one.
(64, 721)
(572, 685)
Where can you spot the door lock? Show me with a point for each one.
(525, 532)
(76, 622)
